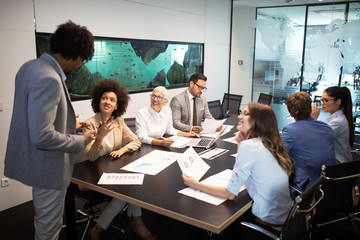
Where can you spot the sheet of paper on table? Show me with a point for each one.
(153, 162)
(179, 142)
(220, 179)
(122, 179)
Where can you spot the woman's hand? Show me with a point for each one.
(105, 128)
(190, 181)
(315, 111)
(119, 153)
(167, 142)
(239, 137)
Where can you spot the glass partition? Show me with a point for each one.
(278, 51)
(323, 55)
(306, 48)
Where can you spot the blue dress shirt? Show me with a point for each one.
(310, 145)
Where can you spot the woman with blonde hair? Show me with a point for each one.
(262, 165)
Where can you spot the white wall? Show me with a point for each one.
(242, 49)
(204, 21)
(17, 45)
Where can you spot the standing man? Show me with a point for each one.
(190, 107)
(42, 139)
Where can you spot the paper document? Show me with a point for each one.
(191, 164)
(220, 179)
(179, 142)
(212, 153)
(153, 162)
(122, 178)
(230, 140)
(210, 125)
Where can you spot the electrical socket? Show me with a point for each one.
(5, 182)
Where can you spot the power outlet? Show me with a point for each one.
(5, 182)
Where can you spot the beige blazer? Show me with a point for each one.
(122, 134)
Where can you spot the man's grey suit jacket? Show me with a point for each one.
(42, 138)
(180, 107)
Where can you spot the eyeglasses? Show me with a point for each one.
(200, 87)
(244, 114)
(156, 97)
(325, 100)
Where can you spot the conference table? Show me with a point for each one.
(159, 193)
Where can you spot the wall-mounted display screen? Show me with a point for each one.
(139, 65)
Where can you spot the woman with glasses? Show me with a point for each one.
(155, 120)
(262, 165)
(109, 102)
(337, 101)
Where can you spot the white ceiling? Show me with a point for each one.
(269, 3)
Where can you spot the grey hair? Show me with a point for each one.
(163, 90)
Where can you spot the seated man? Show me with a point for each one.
(190, 107)
(153, 121)
(309, 143)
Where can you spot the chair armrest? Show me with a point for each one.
(296, 189)
(259, 229)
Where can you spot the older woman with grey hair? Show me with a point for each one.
(155, 120)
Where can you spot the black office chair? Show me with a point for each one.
(231, 104)
(317, 99)
(265, 98)
(341, 199)
(130, 122)
(89, 211)
(297, 225)
(215, 109)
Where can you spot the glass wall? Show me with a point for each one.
(323, 58)
(330, 55)
(278, 51)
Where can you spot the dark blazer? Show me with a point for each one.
(180, 107)
(42, 139)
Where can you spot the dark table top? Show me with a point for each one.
(159, 193)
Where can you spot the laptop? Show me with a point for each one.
(205, 142)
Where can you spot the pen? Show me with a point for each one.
(200, 129)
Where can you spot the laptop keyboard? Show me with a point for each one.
(204, 142)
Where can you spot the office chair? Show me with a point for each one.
(231, 104)
(297, 225)
(130, 122)
(90, 210)
(317, 99)
(341, 195)
(215, 109)
(265, 98)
